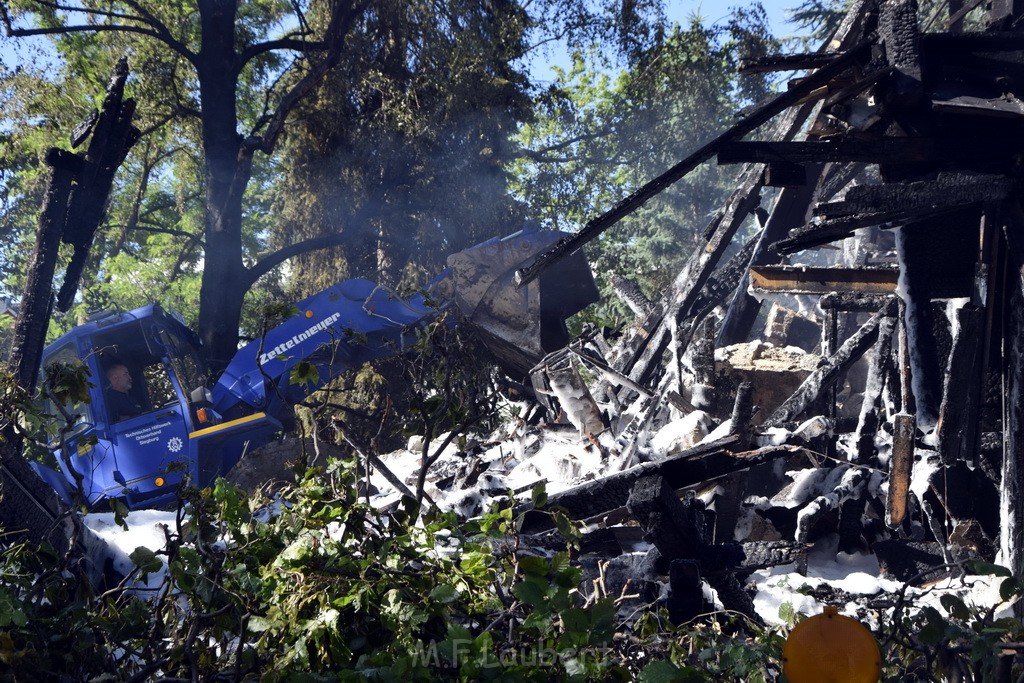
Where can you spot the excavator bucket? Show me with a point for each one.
(520, 326)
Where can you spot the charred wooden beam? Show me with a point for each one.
(900, 37)
(988, 41)
(685, 593)
(949, 190)
(831, 369)
(760, 115)
(888, 150)
(752, 556)
(878, 372)
(732, 594)
(829, 345)
(611, 375)
(915, 248)
(698, 464)
(631, 294)
(900, 464)
(571, 392)
(851, 528)
(785, 62)
(703, 360)
(907, 401)
(869, 280)
(785, 174)
(821, 231)
(727, 279)
(910, 560)
(958, 9)
(678, 402)
(743, 412)
(730, 500)
(815, 280)
(542, 390)
(957, 427)
(789, 211)
(675, 527)
(1000, 107)
(854, 302)
(857, 87)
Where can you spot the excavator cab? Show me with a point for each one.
(137, 438)
(130, 440)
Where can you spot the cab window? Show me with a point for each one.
(159, 390)
(62, 370)
(134, 378)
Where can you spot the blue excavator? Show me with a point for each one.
(182, 424)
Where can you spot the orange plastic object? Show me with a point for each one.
(831, 648)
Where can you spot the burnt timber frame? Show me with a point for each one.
(911, 158)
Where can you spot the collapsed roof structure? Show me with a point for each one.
(896, 237)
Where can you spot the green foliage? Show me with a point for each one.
(955, 639)
(402, 148)
(599, 134)
(317, 585)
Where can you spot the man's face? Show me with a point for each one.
(120, 378)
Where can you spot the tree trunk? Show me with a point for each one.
(28, 507)
(112, 137)
(37, 302)
(227, 170)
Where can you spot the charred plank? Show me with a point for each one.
(685, 593)
(878, 372)
(760, 115)
(899, 35)
(631, 294)
(910, 561)
(785, 62)
(831, 369)
(743, 412)
(957, 427)
(815, 280)
(698, 464)
(857, 302)
(785, 174)
(890, 150)
(821, 231)
(754, 555)
(675, 527)
(900, 464)
(949, 190)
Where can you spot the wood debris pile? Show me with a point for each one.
(886, 187)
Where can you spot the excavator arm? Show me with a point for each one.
(184, 430)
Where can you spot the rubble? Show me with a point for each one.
(877, 419)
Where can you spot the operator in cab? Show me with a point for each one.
(120, 403)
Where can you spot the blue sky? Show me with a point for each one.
(678, 10)
(714, 10)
